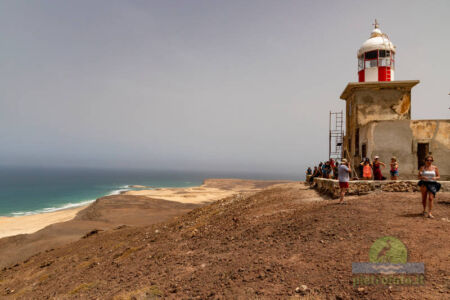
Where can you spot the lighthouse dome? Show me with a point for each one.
(376, 57)
(377, 41)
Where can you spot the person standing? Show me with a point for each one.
(325, 170)
(394, 168)
(428, 174)
(344, 177)
(367, 169)
(377, 164)
(361, 168)
(335, 171)
(315, 174)
(320, 169)
(332, 164)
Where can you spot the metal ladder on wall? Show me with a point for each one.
(336, 135)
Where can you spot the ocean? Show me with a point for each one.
(26, 191)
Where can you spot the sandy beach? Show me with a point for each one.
(211, 190)
(29, 224)
(23, 236)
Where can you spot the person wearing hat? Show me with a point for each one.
(377, 164)
(344, 177)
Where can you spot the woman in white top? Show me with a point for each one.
(428, 174)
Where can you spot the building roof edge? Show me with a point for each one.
(351, 86)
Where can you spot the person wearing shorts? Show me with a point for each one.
(428, 176)
(344, 177)
(394, 168)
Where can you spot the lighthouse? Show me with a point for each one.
(378, 116)
(376, 57)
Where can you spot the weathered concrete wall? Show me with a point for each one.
(400, 139)
(379, 105)
(394, 138)
(361, 187)
(437, 134)
(370, 102)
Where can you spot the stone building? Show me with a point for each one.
(378, 116)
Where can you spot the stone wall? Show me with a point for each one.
(361, 187)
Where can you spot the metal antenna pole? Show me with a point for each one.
(329, 137)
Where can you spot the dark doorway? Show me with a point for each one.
(422, 151)
(364, 150)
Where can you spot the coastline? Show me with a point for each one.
(32, 222)
(211, 190)
(10, 226)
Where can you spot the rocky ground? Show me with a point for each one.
(285, 241)
(146, 208)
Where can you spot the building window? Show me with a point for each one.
(384, 53)
(423, 149)
(371, 63)
(372, 54)
(360, 63)
(349, 147)
(384, 62)
(357, 142)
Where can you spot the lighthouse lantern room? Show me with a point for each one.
(376, 57)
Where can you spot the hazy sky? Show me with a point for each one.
(202, 85)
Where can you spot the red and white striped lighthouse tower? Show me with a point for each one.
(376, 57)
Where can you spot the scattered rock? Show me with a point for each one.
(45, 264)
(194, 232)
(120, 227)
(8, 291)
(92, 232)
(277, 248)
(303, 289)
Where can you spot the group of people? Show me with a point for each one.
(428, 176)
(328, 169)
(372, 170)
(367, 170)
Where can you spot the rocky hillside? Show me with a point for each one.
(285, 241)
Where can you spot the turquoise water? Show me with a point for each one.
(26, 191)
